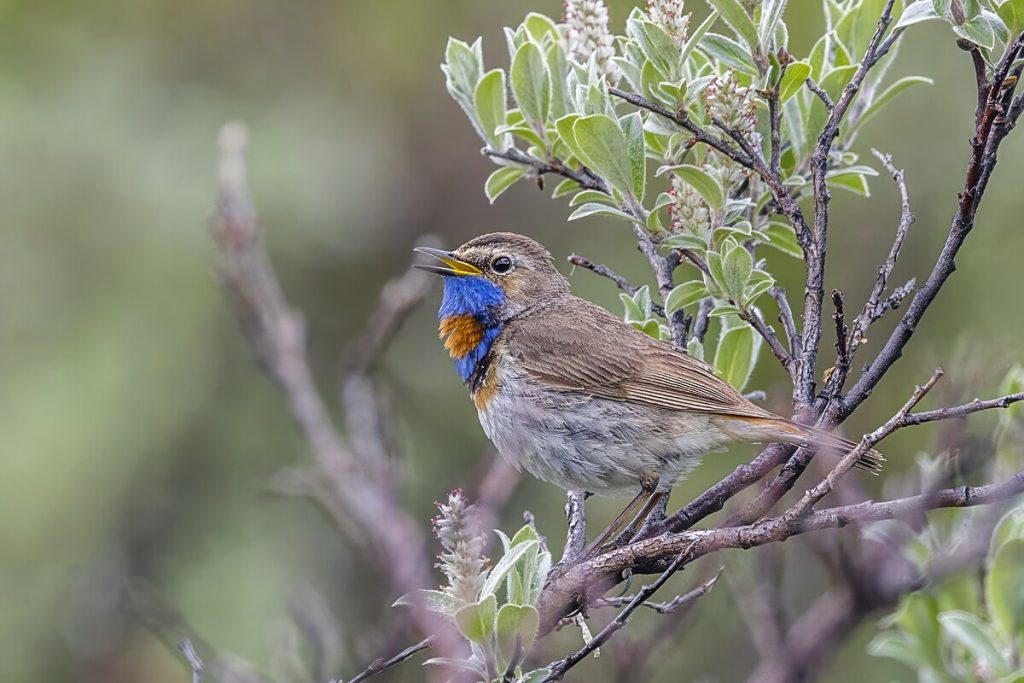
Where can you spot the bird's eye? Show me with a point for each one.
(502, 264)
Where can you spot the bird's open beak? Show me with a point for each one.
(452, 265)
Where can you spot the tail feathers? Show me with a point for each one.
(802, 435)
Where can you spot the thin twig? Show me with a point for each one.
(753, 318)
(786, 318)
(586, 179)
(559, 668)
(576, 527)
(897, 421)
(985, 144)
(820, 92)
(875, 307)
(679, 602)
(193, 659)
(604, 271)
(835, 381)
(963, 410)
(381, 664)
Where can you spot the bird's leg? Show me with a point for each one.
(653, 501)
(617, 523)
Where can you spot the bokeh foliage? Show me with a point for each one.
(136, 436)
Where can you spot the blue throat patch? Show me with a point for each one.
(469, 295)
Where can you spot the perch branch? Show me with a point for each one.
(651, 555)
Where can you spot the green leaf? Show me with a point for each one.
(697, 35)
(759, 283)
(516, 622)
(723, 311)
(793, 80)
(695, 348)
(633, 312)
(463, 68)
(737, 265)
(522, 131)
(739, 21)
(685, 242)
(968, 630)
(605, 150)
(899, 646)
(585, 196)
(490, 105)
(433, 600)
(852, 181)
(567, 186)
(705, 184)
(537, 26)
(837, 79)
(782, 237)
(502, 179)
(885, 97)
(531, 84)
(1012, 14)
(917, 11)
(685, 295)
(558, 70)
(564, 126)
(858, 25)
(497, 575)
(980, 30)
(1003, 593)
(463, 664)
(649, 327)
(633, 128)
(657, 46)
(595, 209)
(729, 52)
(771, 13)
(735, 355)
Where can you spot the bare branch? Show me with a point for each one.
(585, 177)
(604, 271)
(814, 289)
(679, 602)
(822, 95)
(682, 119)
(985, 145)
(193, 659)
(382, 664)
(875, 307)
(753, 318)
(746, 156)
(961, 410)
(559, 668)
(355, 491)
(811, 497)
(651, 555)
(786, 318)
(576, 527)
(834, 382)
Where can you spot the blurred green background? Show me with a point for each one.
(137, 437)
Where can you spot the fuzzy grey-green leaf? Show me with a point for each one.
(531, 84)
(603, 144)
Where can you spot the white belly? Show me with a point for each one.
(578, 441)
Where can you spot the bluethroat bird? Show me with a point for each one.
(578, 398)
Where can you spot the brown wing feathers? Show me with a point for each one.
(602, 356)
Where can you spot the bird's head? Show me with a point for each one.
(488, 281)
(496, 277)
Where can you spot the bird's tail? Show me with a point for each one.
(790, 432)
